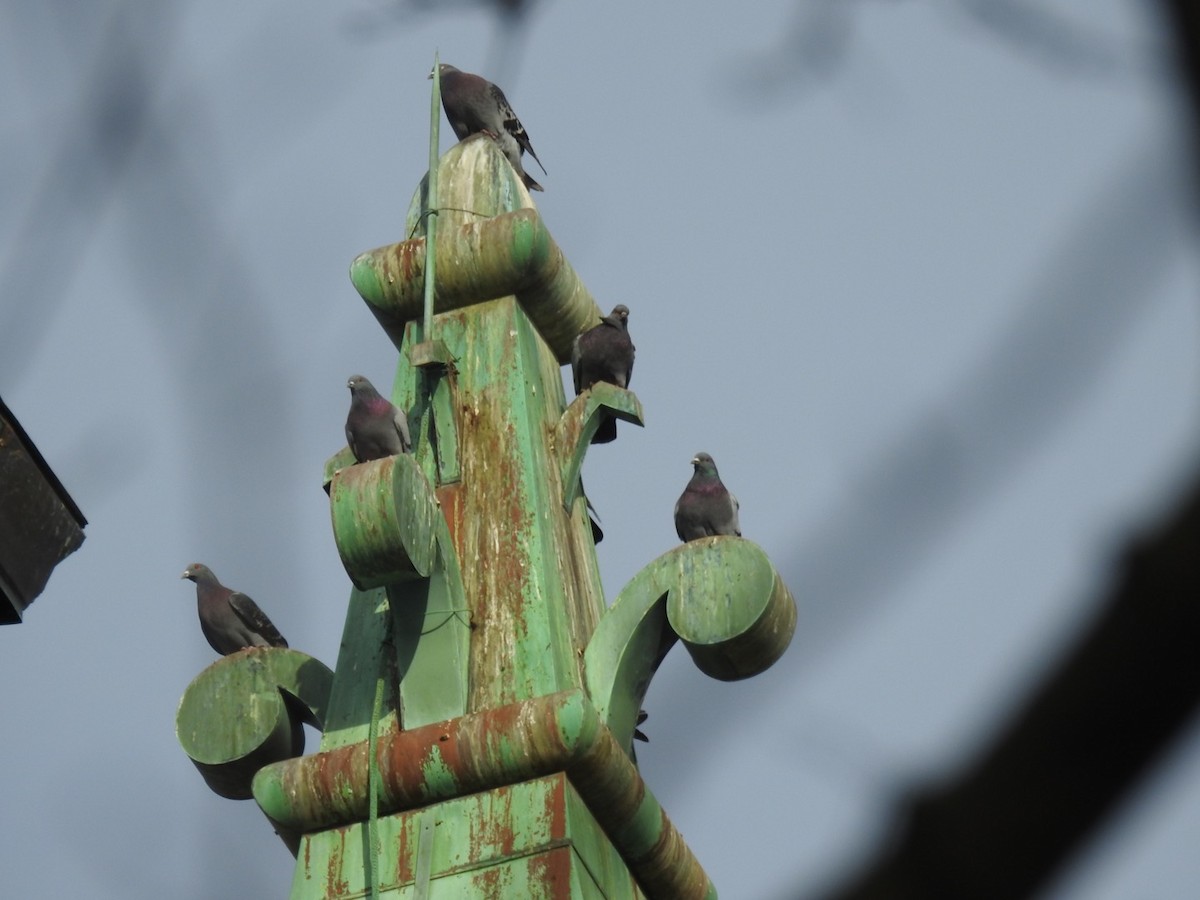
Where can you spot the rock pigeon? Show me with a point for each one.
(229, 619)
(374, 427)
(474, 105)
(706, 507)
(604, 353)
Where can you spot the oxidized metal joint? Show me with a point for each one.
(382, 514)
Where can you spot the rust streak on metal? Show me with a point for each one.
(495, 525)
(556, 810)
(406, 852)
(487, 883)
(553, 870)
(490, 750)
(450, 498)
(334, 885)
(508, 254)
(495, 836)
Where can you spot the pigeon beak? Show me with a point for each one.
(184, 576)
(695, 460)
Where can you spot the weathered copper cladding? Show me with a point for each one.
(504, 689)
(487, 250)
(276, 690)
(555, 733)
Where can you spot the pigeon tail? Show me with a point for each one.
(607, 432)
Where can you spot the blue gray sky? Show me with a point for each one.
(918, 275)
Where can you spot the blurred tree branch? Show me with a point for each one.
(816, 43)
(81, 175)
(511, 18)
(1090, 732)
(1183, 18)
(1065, 760)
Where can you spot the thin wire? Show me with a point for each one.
(450, 616)
(431, 197)
(373, 791)
(425, 213)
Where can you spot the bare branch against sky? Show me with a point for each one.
(87, 161)
(817, 43)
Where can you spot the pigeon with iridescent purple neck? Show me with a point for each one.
(375, 428)
(230, 620)
(706, 508)
(474, 105)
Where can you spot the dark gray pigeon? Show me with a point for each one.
(474, 105)
(229, 619)
(374, 427)
(604, 353)
(705, 507)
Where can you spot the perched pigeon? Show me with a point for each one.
(229, 619)
(374, 428)
(475, 105)
(705, 507)
(604, 353)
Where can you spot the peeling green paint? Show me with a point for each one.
(510, 687)
(439, 778)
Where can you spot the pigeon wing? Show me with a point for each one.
(401, 420)
(256, 619)
(577, 363)
(513, 125)
(682, 526)
(734, 525)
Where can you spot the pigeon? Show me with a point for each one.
(604, 353)
(230, 620)
(374, 428)
(706, 507)
(474, 105)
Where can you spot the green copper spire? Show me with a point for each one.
(498, 760)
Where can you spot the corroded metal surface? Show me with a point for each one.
(484, 257)
(579, 423)
(385, 521)
(482, 683)
(730, 607)
(276, 689)
(528, 566)
(720, 595)
(533, 839)
(483, 751)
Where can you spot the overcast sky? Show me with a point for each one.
(918, 275)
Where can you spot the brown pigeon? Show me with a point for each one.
(474, 105)
(374, 427)
(604, 353)
(705, 507)
(230, 620)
